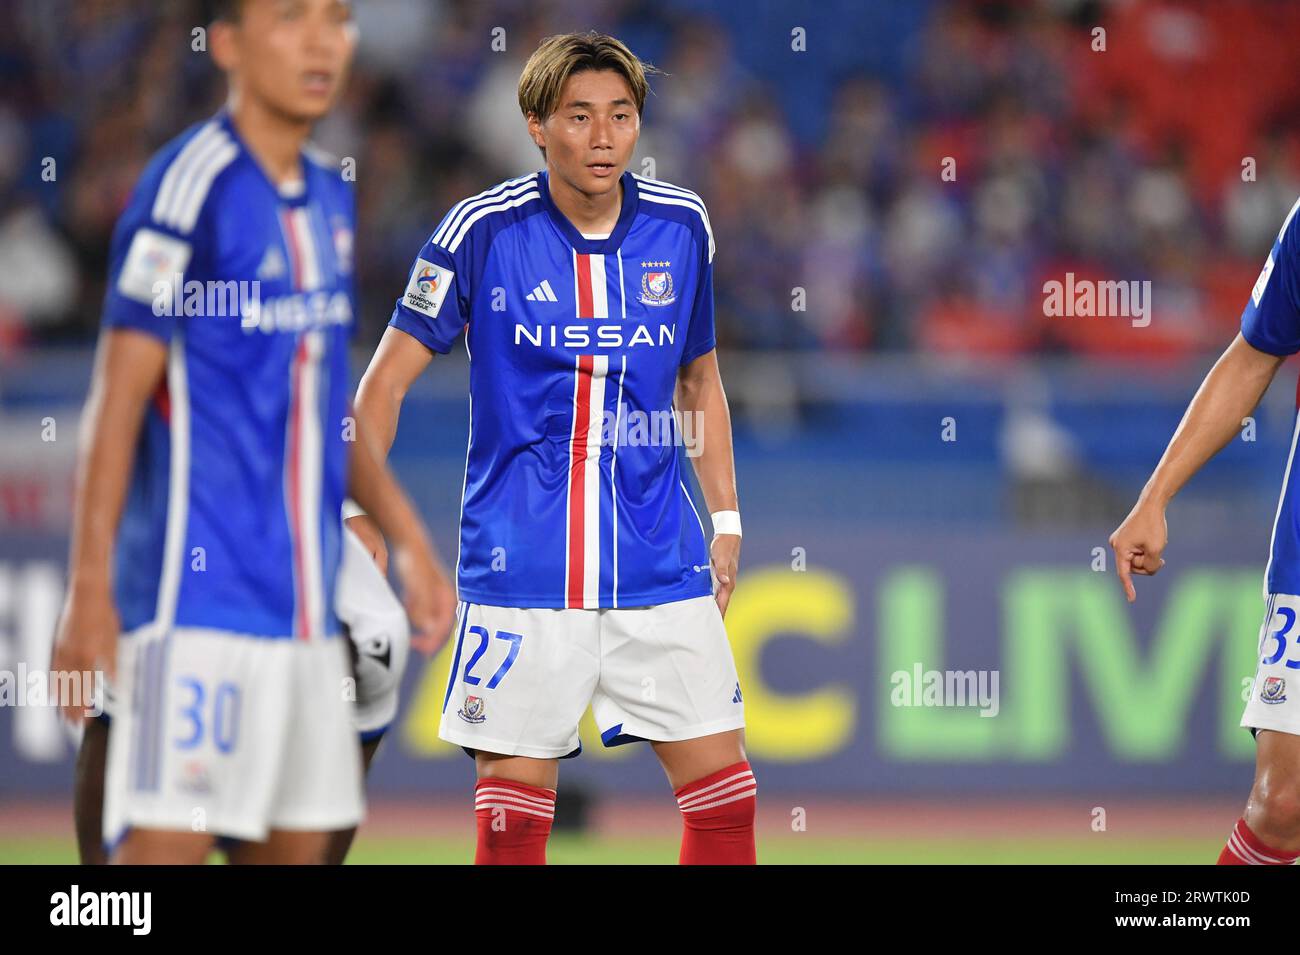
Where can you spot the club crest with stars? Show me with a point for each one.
(657, 283)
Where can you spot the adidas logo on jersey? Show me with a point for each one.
(543, 293)
(272, 266)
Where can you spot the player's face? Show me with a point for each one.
(292, 55)
(589, 139)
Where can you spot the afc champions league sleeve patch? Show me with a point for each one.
(1262, 282)
(152, 258)
(427, 288)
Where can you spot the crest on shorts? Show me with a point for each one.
(194, 778)
(1274, 690)
(472, 711)
(657, 284)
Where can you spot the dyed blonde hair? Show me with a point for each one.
(559, 57)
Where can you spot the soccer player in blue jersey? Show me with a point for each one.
(1268, 833)
(584, 572)
(217, 444)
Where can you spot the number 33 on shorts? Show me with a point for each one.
(1273, 703)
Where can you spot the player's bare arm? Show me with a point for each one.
(700, 394)
(1228, 394)
(128, 367)
(397, 362)
(428, 597)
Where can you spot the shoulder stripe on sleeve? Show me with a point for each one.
(653, 191)
(188, 213)
(1289, 216)
(178, 167)
(481, 211)
(191, 175)
(321, 157)
(453, 219)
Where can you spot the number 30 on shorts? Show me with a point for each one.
(220, 717)
(514, 639)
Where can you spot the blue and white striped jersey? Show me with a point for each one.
(573, 494)
(232, 517)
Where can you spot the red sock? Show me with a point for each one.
(514, 820)
(1245, 848)
(718, 812)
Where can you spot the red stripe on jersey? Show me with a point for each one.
(577, 474)
(162, 400)
(295, 505)
(586, 304)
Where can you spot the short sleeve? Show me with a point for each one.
(700, 337)
(1271, 320)
(148, 263)
(435, 306)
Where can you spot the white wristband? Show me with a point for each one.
(725, 522)
(351, 509)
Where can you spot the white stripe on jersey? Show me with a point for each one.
(310, 452)
(464, 480)
(682, 484)
(179, 169)
(591, 485)
(197, 191)
(613, 461)
(482, 211)
(599, 293)
(465, 206)
(187, 180)
(305, 246)
(178, 488)
(668, 195)
(667, 188)
(1287, 221)
(622, 293)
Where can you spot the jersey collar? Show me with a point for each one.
(575, 238)
(298, 194)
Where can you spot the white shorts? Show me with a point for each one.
(521, 679)
(375, 621)
(381, 637)
(1274, 702)
(232, 735)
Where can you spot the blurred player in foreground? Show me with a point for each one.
(373, 620)
(1269, 831)
(216, 446)
(584, 572)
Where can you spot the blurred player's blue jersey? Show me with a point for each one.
(573, 495)
(232, 518)
(1271, 323)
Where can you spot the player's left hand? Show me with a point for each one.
(724, 556)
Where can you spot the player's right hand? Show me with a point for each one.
(1138, 544)
(427, 594)
(85, 642)
(368, 531)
